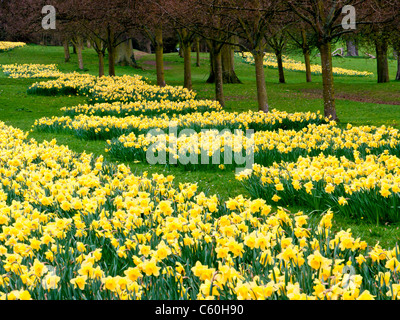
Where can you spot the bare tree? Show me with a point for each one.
(154, 20)
(254, 18)
(278, 42)
(324, 17)
(300, 37)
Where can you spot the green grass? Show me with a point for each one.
(357, 104)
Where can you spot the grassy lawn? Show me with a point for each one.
(361, 101)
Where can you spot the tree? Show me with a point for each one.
(218, 32)
(380, 32)
(381, 47)
(254, 18)
(100, 48)
(396, 47)
(23, 20)
(205, 19)
(77, 40)
(385, 32)
(278, 42)
(398, 64)
(395, 39)
(300, 38)
(228, 63)
(124, 53)
(197, 49)
(351, 46)
(154, 21)
(184, 16)
(19, 21)
(105, 22)
(186, 37)
(67, 54)
(325, 19)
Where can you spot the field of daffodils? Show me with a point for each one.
(73, 226)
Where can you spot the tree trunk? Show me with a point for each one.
(197, 47)
(101, 63)
(111, 60)
(280, 67)
(147, 45)
(228, 65)
(181, 49)
(327, 81)
(80, 57)
(306, 53)
(100, 50)
(187, 55)
(159, 47)
(211, 77)
(307, 62)
(203, 46)
(124, 54)
(396, 55)
(260, 80)
(352, 49)
(79, 47)
(67, 55)
(111, 52)
(398, 65)
(219, 90)
(382, 60)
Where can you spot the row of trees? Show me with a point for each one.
(247, 25)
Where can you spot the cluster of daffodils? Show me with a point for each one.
(107, 127)
(68, 83)
(109, 89)
(6, 45)
(366, 188)
(31, 70)
(270, 61)
(133, 88)
(206, 150)
(100, 128)
(125, 109)
(289, 145)
(75, 227)
(265, 147)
